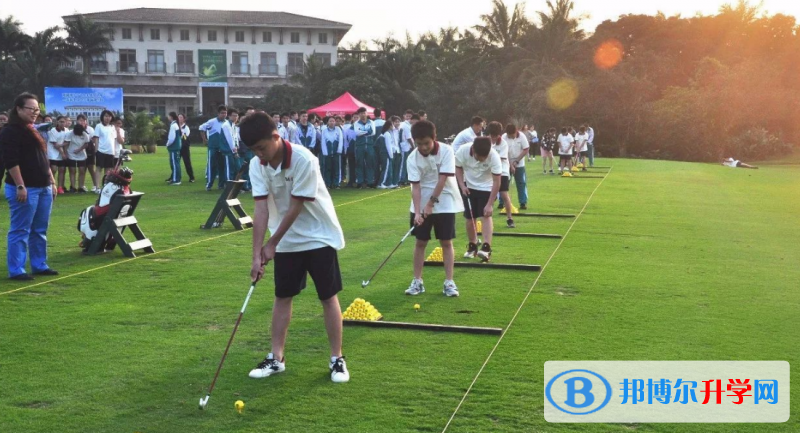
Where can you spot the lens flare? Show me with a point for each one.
(562, 94)
(608, 54)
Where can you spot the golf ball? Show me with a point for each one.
(416, 307)
(239, 405)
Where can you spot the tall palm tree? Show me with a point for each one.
(87, 39)
(558, 33)
(502, 28)
(12, 39)
(41, 64)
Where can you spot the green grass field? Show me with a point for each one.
(669, 261)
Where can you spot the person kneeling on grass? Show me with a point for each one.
(478, 170)
(734, 163)
(292, 200)
(434, 202)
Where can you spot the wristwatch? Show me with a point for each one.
(435, 199)
(20, 187)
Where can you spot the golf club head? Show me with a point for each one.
(364, 284)
(204, 402)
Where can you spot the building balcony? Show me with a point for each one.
(184, 69)
(158, 68)
(98, 67)
(294, 70)
(127, 68)
(239, 69)
(269, 69)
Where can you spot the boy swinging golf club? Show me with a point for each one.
(478, 170)
(434, 202)
(292, 200)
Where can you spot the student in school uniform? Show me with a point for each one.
(478, 172)
(365, 151)
(78, 141)
(289, 131)
(582, 146)
(350, 149)
(291, 199)
(549, 144)
(108, 143)
(468, 135)
(219, 135)
(566, 143)
(406, 146)
(390, 152)
(518, 149)
(495, 132)
(91, 151)
(174, 145)
(435, 201)
(332, 147)
(380, 156)
(186, 150)
(56, 150)
(306, 134)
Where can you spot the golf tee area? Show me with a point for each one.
(666, 261)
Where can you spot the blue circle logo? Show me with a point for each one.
(576, 387)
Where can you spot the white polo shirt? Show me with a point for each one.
(502, 149)
(299, 177)
(425, 170)
(516, 146)
(106, 139)
(75, 143)
(564, 143)
(582, 142)
(405, 146)
(478, 175)
(466, 136)
(56, 137)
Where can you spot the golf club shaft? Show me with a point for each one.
(474, 226)
(390, 254)
(230, 340)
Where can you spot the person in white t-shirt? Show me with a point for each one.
(435, 201)
(108, 144)
(518, 149)
(78, 141)
(495, 132)
(292, 200)
(565, 146)
(478, 172)
(735, 163)
(468, 135)
(56, 151)
(91, 154)
(582, 146)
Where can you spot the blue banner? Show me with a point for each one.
(91, 101)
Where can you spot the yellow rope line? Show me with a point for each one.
(164, 251)
(471, 385)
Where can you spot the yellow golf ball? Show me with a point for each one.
(239, 405)
(416, 307)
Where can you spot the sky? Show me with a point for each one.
(376, 19)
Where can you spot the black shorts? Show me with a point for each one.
(61, 163)
(322, 264)
(443, 224)
(90, 159)
(564, 158)
(504, 181)
(71, 163)
(105, 160)
(478, 200)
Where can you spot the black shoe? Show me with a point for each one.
(485, 254)
(169, 179)
(47, 272)
(472, 251)
(191, 180)
(72, 189)
(501, 207)
(21, 277)
(510, 224)
(523, 207)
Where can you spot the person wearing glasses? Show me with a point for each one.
(29, 190)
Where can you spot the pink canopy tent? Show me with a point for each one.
(341, 106)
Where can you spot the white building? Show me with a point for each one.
(190, 61)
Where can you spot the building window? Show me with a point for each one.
(212, 36)
(186, 110)
(295, 38)
(241, 65)
(99, 63)
(239, 36)
(295, 64)
(184, 35)
(325, 58)
(269, 64)
(158, 107)
(126, 33)
(185, 63)
(155, 34)
(266, 37)
(127, 61)
(155, 61)
(323, 38)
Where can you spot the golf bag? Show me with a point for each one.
(117, 182)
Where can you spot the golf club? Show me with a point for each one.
(474, 226)
(204, 401)
(366, 283)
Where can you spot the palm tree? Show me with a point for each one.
(12, 39)
(86, 40)
(558, 33)
(42, 63)
(501, 29)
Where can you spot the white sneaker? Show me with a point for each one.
(268, 367)
(382, 186)
(339, 373)
(175, 183)
(393, 187)
(472, 251)
(94, 189)
(415, 288)
(450, 288)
